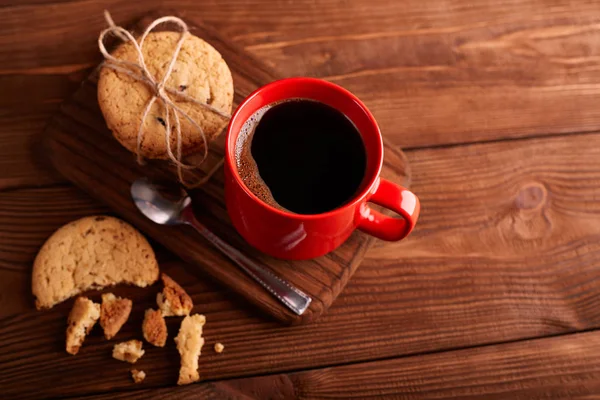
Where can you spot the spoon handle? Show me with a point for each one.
(292, 297)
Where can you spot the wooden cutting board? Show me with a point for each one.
(81, 147)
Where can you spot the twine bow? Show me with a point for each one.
(159, 92)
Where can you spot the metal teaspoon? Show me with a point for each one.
(169, 206)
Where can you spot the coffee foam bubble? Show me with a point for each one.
(246, 165)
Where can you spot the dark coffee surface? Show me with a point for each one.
(308, 156)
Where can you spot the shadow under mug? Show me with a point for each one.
(297, 236)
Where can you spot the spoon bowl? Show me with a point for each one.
(161, 203)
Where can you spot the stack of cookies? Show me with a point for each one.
(199, 73)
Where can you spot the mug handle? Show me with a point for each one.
(397, 199)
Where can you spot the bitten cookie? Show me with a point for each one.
(114, 312)
(91, 253)
(82, 318)
(173, 300)
(189, 344)
(199, 72)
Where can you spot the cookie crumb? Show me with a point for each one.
(114, 312)
(138, 376)
(189, 344)
(173, 300)
(154, 328)
(82, 318)
(219, 347)
(129, 351)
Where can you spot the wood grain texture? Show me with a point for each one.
(506, 248)
(432, 73)
(553, 368)
(29, 217)
(16, 292)
(83, 150)
(459, 72)
(20, 132)
(494, 260)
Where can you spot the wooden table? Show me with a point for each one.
(495, 295)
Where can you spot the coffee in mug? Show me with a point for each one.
(301, 156)
(303, 161)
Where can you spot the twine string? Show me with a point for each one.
(160, 92)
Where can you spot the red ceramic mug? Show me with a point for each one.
(297, 236)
